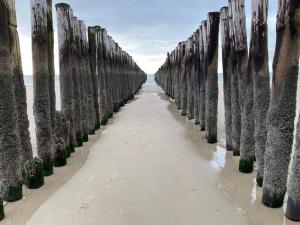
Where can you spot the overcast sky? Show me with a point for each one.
(146, 29)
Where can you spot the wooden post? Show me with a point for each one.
(235, 102)
(93, 42)
(259, 67)
(211, 86)
(2, 214)
(183, 79)
(89, 86)
(20, 89)
(196, 78)
(227, 73)
(281, 114)
(81, 77)
(77, 89)
(21, 104)
(203, 71)
(51, 63)
(66, 80)
(10, 145)
(41, 91)
(189, 77)
(102, 81)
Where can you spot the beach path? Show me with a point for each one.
(150, 166)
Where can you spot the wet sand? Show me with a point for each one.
(153, 167)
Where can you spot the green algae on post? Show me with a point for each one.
(34, 173)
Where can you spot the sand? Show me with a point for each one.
(150, 166)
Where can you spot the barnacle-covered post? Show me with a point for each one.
(39, 9)
(78, 121)
(227, 73)
(235, 100)
(10, 144)
(247, 151)
(203, 72)
(2, 214)
(93, 42)
(211, 86)
(50, 42)
(189, 77)
(101, 32)
(89, 85)
(259, 67)
(281, 114)
(183, 79)
(196, 78)
(66, 80)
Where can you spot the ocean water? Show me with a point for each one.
(150, 79)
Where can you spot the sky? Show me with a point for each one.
(146, 29)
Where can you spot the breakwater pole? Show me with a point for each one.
(39, 9)
(211, 85)
(281, 114)
(227, 73)
(259, 68)
(10, 145)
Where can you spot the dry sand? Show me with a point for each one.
(152, 167)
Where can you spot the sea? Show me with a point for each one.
(150, 79)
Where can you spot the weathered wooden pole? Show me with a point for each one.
(211, 86)
(259, 67)
(235, 102)
(177, 76)
(293, 203)
(41, 91)
(66, 80)
(20, 89)
(183, 79)
(196, 77)
(60, 154)
(21, 104)
(247, 147)
(203, 72)
(89, 83)
(77, 101)
(281, 114)
(101, 64)
(10, 144)
(2, 214)
(93, 42)
(227, 73)
(81, 67)
(189, 77)
(51, 64)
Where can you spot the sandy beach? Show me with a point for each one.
(148, 166)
